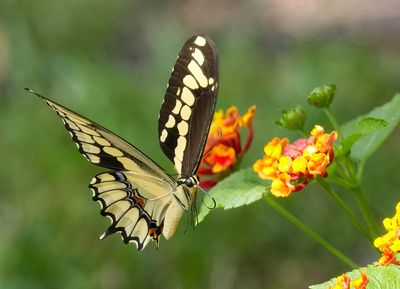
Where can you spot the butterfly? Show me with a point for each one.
(142, 200)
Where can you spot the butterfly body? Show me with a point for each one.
(179, 205)
(142, 200)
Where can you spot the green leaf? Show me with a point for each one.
(366, 146)
(363, 127)
(381, 277)
(241, 188)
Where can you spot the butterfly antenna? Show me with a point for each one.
(207, 194)
(217, 142)
(187, 222)
(195, 219)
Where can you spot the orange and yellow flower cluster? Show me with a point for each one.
(224, 147)
(344, 282)
(292, 166)
(389, 243)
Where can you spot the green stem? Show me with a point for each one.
(342, 173)
(360, 170)
(367, 214)
(346, 209)
(351, 171)
(303, 133)
(356, 189)
(333, 121)
(340, 181)
(309, 231)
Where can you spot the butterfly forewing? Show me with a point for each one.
(189, 103)
(102, 147)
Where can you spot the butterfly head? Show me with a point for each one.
(190, 182)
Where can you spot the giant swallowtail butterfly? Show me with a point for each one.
(142, 200)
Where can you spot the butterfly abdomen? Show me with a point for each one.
(172, 218)
(183, 199)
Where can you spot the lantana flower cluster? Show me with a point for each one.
(344, 282)
(292, 166)
(389, 243)
(224, 145)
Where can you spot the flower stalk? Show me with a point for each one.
(333, 121)
(351, 179)
(366, 211)
(345, 209)
(311, 233)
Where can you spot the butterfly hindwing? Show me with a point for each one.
(189, 103)
(133, 205)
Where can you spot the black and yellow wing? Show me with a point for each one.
(136, 194)
(189, 104)
(103, 148)
(136, 203)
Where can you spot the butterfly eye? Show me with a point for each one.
(189, 182)
(192, 181)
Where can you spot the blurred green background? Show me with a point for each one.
(110, 61)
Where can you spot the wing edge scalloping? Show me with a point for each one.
(154, 230)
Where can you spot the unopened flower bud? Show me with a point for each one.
(322, 96)
(293, 118)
